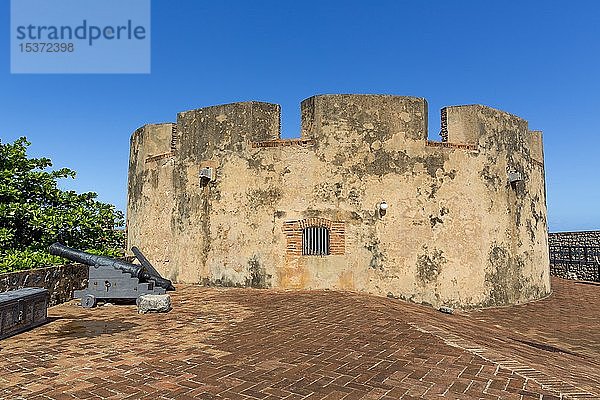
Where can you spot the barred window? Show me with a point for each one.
(315, 241)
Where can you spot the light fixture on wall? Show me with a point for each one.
(514, 177)
(207, 174)
(383, 206)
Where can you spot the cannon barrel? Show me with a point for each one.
(136, 271)
(82, 257)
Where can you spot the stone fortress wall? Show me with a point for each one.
(457, 232)
(575, 255)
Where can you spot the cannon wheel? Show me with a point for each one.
(88, 301)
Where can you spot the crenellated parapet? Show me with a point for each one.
(337, 120)
(227, 126)
(151, 141)
(489, 128)
(326, 117)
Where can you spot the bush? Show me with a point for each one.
(34, 213)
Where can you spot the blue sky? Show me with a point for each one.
(536, 59)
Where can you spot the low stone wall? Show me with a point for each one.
(581, 272)
(583, 238)
(575, 255)
(60, 280)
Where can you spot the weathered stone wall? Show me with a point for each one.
(577, 271)
(456, 232)
(581, 238)
(59, 280)
(576, 262)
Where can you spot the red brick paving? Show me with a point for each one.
(261, 344)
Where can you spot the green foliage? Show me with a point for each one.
(34, 213)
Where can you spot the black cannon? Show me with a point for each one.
(113, 279)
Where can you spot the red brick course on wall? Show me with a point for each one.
(283, 142)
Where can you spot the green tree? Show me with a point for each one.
(35, 213)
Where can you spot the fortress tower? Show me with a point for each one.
(362, 201)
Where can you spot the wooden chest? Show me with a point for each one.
(22, 309)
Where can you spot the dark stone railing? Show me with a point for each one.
(575, 255)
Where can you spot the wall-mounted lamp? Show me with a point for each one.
(514, 177)
(207, 174)
(383, 206)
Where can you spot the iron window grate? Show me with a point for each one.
(315, 241)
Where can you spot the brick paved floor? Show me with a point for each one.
(259, 344)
